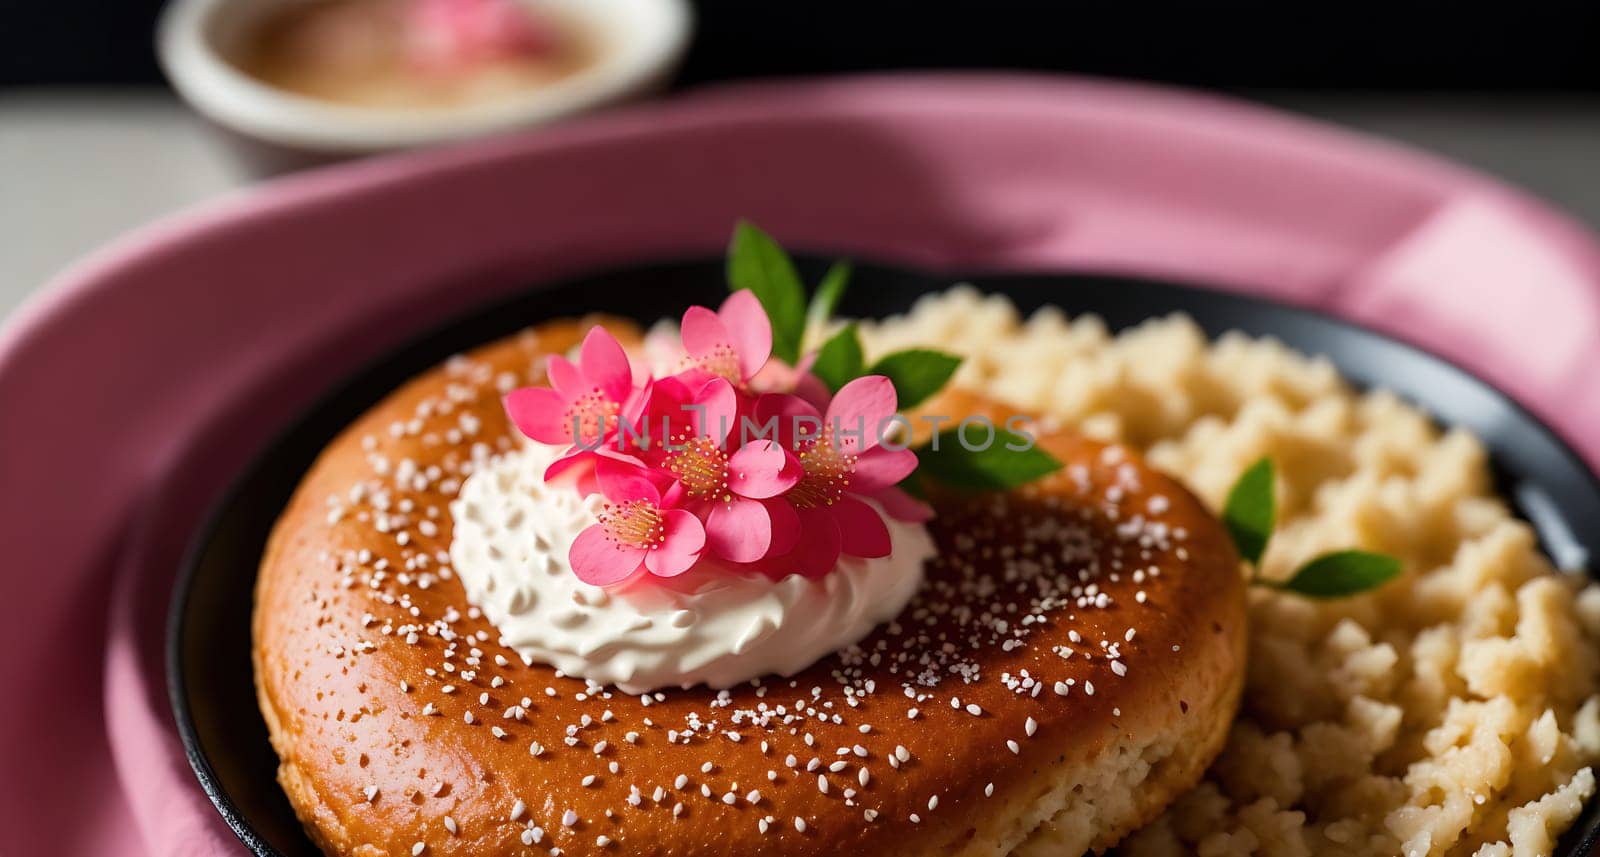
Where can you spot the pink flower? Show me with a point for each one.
(733, 343)
(843, 460)
(640, 529)
(733, 488)
(685, 478)
(682, 407)
(584, 402)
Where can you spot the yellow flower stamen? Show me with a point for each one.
(635, 524)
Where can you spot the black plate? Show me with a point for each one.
(209, 635)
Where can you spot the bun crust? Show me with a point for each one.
(1071, 665)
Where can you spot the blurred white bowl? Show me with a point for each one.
(641, 42)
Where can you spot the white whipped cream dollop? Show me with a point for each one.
(712, 626)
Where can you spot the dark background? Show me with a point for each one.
(1544, 46)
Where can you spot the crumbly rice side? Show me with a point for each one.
(1454, 712)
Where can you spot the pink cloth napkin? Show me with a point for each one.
(138, 383)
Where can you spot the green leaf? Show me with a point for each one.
(826, 298)
(1252, 510)
(757, 263)
(1342, 573)
(917, 373)
(1007, 461)
(839, 360)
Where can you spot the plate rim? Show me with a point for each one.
(298, 420)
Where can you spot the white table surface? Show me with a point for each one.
(78, 168)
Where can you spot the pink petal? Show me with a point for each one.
(881, 467)
(565, 377)
(703, 332)
(666, 413)
(661, 347)
(903, 507)
(775, 377)
(624, 481)
(716, 410)
(750, 331)
(739, 531)
(571, 458)
(680, 547)
(634, 414)
(539, 413)
(860, 407)
(599, 561)
(668, 395)
(762, 469)
(605, 364)
(818, 551)
(790, 413)
(861, 529)
(576, 456)
(810, 388)
(785, 525)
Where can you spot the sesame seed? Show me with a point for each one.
(1014, 747)
(517, 809)
(799, 824)
(933, 803)
(1030, 727)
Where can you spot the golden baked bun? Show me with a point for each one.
(1072, 664)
